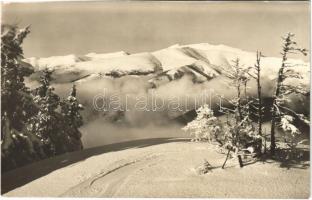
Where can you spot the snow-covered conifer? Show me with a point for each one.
(205, 126)
(17, 145)
(70, 110)
(280, 112)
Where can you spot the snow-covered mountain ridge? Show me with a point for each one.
(201, 61)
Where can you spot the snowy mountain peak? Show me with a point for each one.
(106, 55)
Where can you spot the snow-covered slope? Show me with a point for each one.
(199, 71)
(106, 55)
(54, 62)
(172, 58)
(158, 168)
(140, 63)
(222, 55)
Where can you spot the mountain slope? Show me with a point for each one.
(164, 168)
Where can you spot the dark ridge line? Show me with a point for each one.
(196, 55)
(77, 79)
(192, 67)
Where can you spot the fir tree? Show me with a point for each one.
(279, 111)
(44, 123)
(239, 77)
(17, 145)
(205, 126)
(13, 71)
(70, 110)
(31, 127)
(238, 129)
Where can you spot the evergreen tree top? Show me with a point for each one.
(46, 77)
(73, 91)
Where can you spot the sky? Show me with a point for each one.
(62, 28)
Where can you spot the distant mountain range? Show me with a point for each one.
(203, 64)
(202, 61)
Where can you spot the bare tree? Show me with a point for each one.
(258, 101)
(239, 78)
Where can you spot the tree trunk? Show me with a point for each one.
(274, 105)
(259, 94)
(240, 161)
(264, 144)
(259, 98)
(227, 156)
(273, 145)
(239, 103)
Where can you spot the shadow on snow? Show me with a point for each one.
(21, 176)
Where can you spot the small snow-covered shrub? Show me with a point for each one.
(205, 126)
(287, 126)
(292, 135)
(240, 134)
(204, 168)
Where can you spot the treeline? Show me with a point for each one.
(239, 132)
(35, 124)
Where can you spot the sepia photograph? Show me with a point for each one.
(155, 99)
